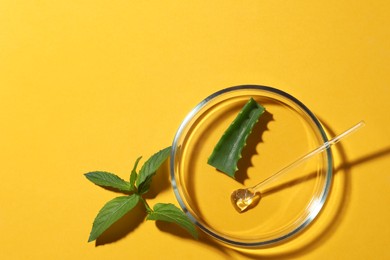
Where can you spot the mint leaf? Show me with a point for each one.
(133, 175)
(111, 212)
(149, 169)
(107, 179)
(171, 213)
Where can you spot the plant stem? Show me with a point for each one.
(148, 209)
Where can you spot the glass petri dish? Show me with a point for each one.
(286, 131)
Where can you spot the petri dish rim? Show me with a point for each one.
(214, 234)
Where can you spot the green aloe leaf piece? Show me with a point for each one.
(170, 213)
(111, 212)
(107, 179)
(227, 152)
(149, 169)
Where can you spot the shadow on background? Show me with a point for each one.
(123, 226)
(203, 237)
(161, 182)
(130, 221)
(249, 149)
(344, 167)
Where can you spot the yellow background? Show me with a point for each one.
(92, 85)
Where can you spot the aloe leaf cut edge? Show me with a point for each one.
(227, 151)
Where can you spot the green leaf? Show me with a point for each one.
(149, 169)
(170, 213)
(111, 212)
(227, 152)
(107, 179)
(133, 175)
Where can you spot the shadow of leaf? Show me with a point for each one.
(173, 228)
(160, 181)
(249, 149)
(123, 226)
(176, 230)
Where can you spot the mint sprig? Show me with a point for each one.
(138, 185)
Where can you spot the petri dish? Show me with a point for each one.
(286, 131)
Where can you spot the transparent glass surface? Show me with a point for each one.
(284, 133)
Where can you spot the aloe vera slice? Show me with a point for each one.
(227, 152)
